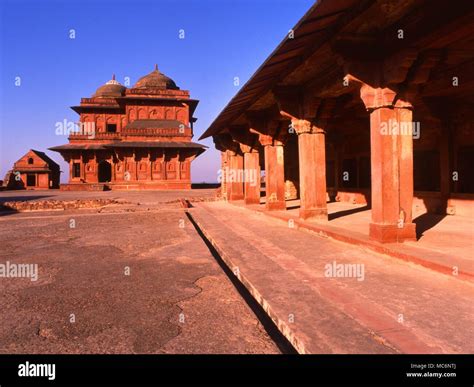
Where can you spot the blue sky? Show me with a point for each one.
(223, 39)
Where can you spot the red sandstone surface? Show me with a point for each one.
(394, 307)
(82, 272)
(397, 307)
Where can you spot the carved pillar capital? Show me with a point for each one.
(401, 104)
(376, 98)
(247, 149)
(305, 126)
(265, 139)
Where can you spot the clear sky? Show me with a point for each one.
(223, 39)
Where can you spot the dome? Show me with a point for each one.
(155, 80)
(111, 89)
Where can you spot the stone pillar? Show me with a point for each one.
(391, 166)
(163, 166)
(223, 177)
(338, 167)
(70, 170)
(405, 162)
(113, 168)
(274, 173)
(251, 175)
(95, 178)
(83, 169)
(135, 167)
(178, 167)
(236, 170)
(312, 162)
(445, 161)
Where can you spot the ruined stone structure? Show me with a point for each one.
(35, 170)
(364, 101)
(133, 138)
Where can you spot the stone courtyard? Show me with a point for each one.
(129, 277)
(182, 272)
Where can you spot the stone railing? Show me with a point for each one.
(95, 136)
(101, 101)
(156, 132)
(160, 92)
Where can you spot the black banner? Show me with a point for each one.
(381, 370)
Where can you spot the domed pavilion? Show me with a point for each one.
(133, 138)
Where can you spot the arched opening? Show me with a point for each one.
(105, 172)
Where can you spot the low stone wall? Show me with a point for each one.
(48, 205)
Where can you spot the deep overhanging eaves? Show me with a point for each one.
(280, 62)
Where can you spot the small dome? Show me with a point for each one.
(111, 89)
(155, 80)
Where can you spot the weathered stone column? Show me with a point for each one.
(113, 168)
(235, 183)
(150, 165)
(274, 173)
(338, 167)
(405, 162)
(178, 167)
(391, 166)
(252, 183)
(445, 169)
(223, 175)
(71, 170)
(82, 169)
(135, 166)
(312, 162)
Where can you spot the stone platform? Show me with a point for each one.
(394, 307)
(445, 243)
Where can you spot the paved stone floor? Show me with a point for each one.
(445, 240)
(176, 298)
(454, 234)
(395, 307)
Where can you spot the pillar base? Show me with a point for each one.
(390, 233)
(275, 206)
(314, 214)
(252, 201)
(234, 197)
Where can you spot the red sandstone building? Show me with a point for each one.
(366, 102)
(133, 138)
(35, 170)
